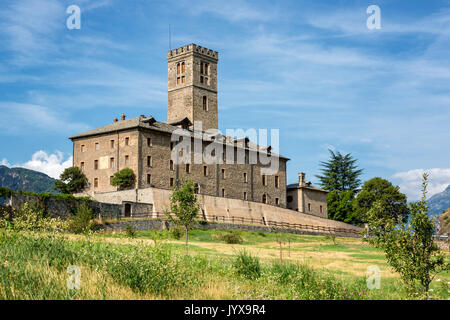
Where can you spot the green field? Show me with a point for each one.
(154, 266)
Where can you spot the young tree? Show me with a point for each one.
(184, 206)
(72, 180)
(124, 179)
(389, 197)
(410, 249)
(340, 176)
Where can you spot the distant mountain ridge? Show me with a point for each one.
(25, 180)
(439, 202)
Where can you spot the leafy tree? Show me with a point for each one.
(340, 206)
(389, 197)
(184, 206)
(72, 180)
(409, 247)
(340, 173)
(124, 179)
(340, 176)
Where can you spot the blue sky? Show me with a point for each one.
(311, 69)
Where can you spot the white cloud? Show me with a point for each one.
(5, 162)
(51, 164)
(411, 182)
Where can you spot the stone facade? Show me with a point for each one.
(304, 197)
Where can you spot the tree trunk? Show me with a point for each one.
(187, 238)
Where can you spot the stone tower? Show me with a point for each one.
(192, 85)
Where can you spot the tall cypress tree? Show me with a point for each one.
(340, 176)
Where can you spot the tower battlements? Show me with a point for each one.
(192, 48)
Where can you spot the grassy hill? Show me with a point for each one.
(26, 180)
(154, 266)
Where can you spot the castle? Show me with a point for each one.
(148, 147)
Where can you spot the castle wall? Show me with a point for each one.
(221, 207)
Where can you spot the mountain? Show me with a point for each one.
(439, 202)
(444, 223)
(26, 180)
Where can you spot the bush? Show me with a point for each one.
(82, 221)
(124, 179)
(247, 265)
(232, 237)
(177, 232)
(130, 230)
(285, 273)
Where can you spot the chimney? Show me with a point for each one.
(115, 120)
(301, 179)
(123, 116)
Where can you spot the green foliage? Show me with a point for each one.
(83, 220)
(285, 273)
(72, 180)
(340, 206)
(124, 179)
(340, 176)
(340, 173)
(388, 196)
(232, 237)
(184, 207)
(177, 232)
(130, 230)
(247, 265)
(5, 192)
(410, 249)
(32, 217)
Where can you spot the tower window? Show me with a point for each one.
(223, 192)
(277, 181)
(178, 80)
(97, 146)
(205, 103)
(178, 68)
(82, 167)
(321, 209)
(83, 148)
(171, 182)
(277, 201)
(245, 177)
(171, 165)
(197, 188)
(245, 195)
(149, 179)
(127, 160)
(111, 163)
(201, 79)
(183, 67)
(205, 171)
(95, 164)
(264, 180)
(223, 174)
(149, 161)
(96, 183)
(188, 168)
(309, 206)
(264, 198)
(149, 142)
(112, 144)
(183, 79)
(127, 141)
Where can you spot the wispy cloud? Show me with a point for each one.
(410, 181)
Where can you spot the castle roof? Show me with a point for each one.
(168, 127)
(307, 186)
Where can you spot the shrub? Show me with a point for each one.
(285, 273)
(124, 179)
(232, 237)
(130, 230)
(177, 232)
(247, 265)
(82, 221)
(72, 180)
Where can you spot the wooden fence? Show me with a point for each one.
(259, 222)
